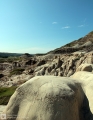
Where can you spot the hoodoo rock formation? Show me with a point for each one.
(49, 98)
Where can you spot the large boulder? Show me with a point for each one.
(86, 78)
(49, 98)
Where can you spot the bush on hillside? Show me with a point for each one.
(5, 94)
(16, 71)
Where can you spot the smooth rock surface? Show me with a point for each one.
(2, 108)
(86, 78)
(49, 98)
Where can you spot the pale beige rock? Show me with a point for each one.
(41, 72)
(58, 64)
(48, 98)
(86, 78)
(40, 67)
(87, 43)
(89, 60)
(85, 67)
(70, 73)
(60, 73)
(78, 53)
(2, 108)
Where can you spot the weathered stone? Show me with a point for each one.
(86, 78)
(58, 64)
(49, 98)
(41, 62)
(70, 73)
(85, 67)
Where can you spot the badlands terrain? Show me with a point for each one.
(69, 68)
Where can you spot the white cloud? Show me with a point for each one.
(66, 27)
(81, 25)
(54, 22)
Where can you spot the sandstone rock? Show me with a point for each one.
(71, 64)
(89, 59)
(28, 62)
(85, 67)
(46, 72)
(76, 46)
(28, 71)
(86, 78)
(78, 53)
(49, 98)
(49, 69)
(88, 43)
(52, 66)
(5, 65)
(15, 64)
(56, 73)
(60, 73)
(70, 73)
(41, 72)
(63, 67)
(2, 108)
(53, 71)
(16, 79)
(38, 68)
(41, 62)
(58, 64)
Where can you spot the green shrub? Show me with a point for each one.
(2, 60)
(16, 71)
(9, 59)
(5, 94)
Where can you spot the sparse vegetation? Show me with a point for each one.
(16, 71)
(6, 55)
(9, 59)
(2, 60)
(5, 94)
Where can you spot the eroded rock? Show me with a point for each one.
(49, 98)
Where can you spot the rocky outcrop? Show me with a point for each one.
(41, 62)
(49, 98)
(15, 64)
(86, 78)
(14, 80)
(85, 67)
(4, 66)
(2, 108)
(57, 65)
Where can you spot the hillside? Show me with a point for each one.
(82, 44)
(5, 55)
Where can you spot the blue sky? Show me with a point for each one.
(38, 26)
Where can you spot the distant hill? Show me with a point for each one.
(5, 55)
(82, 44)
